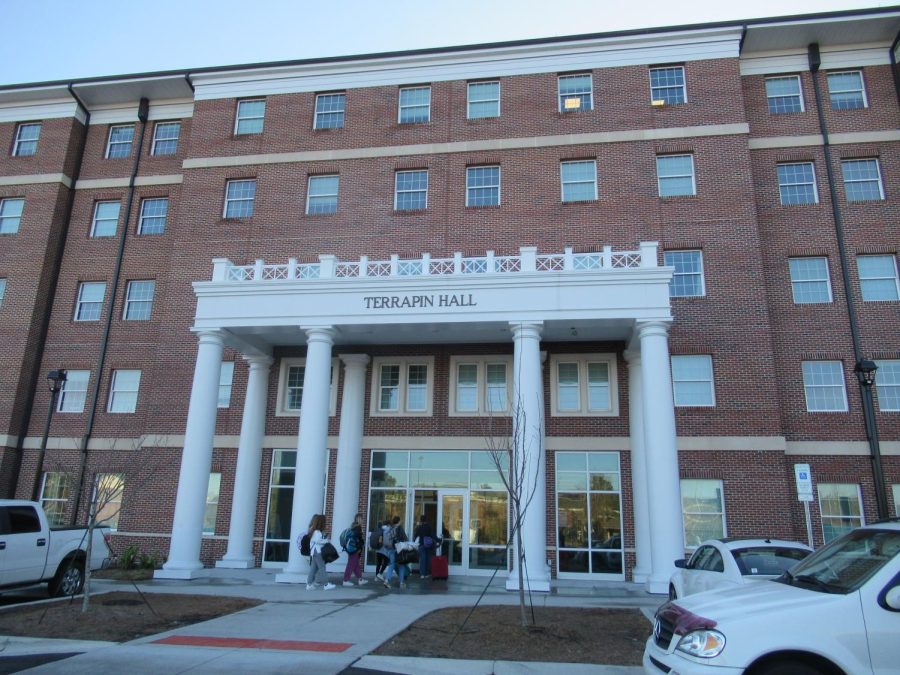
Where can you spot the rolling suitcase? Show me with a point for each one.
(439, 567)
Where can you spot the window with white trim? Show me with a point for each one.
(810, 280)
(118, 145)
(480, 385)
(322, 195)
(90, 300)
(692, 381)
(846, 90)
(862, 180)
(11, 214)
(878, 277)
(226, 378)
(797, 183)
(823, 382)
(250, 116)
(840, 505)
(165, 138)
(410, 190)
(106, 219)
(687, 280)
(784, 94)
(139, 300)
(402, 386)
(290, 387)
(54, 497)
(153, 215)
(329, 111)
(896, 490)
(240, 196)
(579, 180)
(583, 385)
(483, 100)
(575, 92)
(108, 491)
(667, 85)
(213, 488)
(703, 510)
(123, 391)
(27, 136)
(74, 392)
(887, 385)
(415, 105)
(675, 175)
(2, 290)
(483, 186)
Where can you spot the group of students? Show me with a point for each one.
(387, 564)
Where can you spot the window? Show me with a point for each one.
(415, 105)
(583, 384)
(329, 111)
(226, 377)
(862, 180)
(810, 282)
(823, 382)
(896, 491)
(123, 392)
(579, 181)
(667, 85)
(402, 386)
(575, 93)
(26, 142)
(153, 215)
(675, 175)
(483, 100)
(687, 281)
(483, 186)
(239, 198)
(119, 143)
(212, 503)
(887, 384)
(2, 290)
(165, 138)
(108, 490)
(90, 300)
(878, 277)
(692, 380)
(54, 496)
(703, 510)
(846, 90)
(290, 387)
(410, 190)
(74, 391)
(106, 219)
(479, 385)
(784, 95)
(322, 195)
(797, 184)
(10, 215)
(841, 509)
(250, 116)
(139, 300)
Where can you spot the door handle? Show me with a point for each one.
(41, 542)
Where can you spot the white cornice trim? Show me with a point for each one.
(40, 111)
(170, 110)
(797, 60)
(36, 179)
(854, 137)
(106, 183)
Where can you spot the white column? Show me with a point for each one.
(196, 461)
(349, 454)
(638, 469)
(528, 444)
(660, 442)
(246, 480)
(312, 447)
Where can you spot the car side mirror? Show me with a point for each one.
(892, 598)
(681, 563)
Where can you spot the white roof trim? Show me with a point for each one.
(796, 60)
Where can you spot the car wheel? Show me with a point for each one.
(672, 594)
(787, 668)
(68, 580)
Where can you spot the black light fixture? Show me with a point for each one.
(55, 379)
(865, 371)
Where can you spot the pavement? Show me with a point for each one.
(320, 632)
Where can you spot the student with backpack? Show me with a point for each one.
(318, 575)
(352, 542)
(376, 542)
(425, 535)
(395, 534)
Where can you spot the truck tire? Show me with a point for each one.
(673, 595)
(69, 578)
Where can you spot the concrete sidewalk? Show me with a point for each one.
(319, 631)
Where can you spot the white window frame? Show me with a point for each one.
(322, 196)
(401, 107)
(668, 262)
(892, 277)
(714, 482)
(811, 386)
(157, 141)
(799, 283)
(239, 118)
(123, 391)
(236, 200)
(853, 521)
(782, 186)
(2, 289)
(887, 386)
(417, 191)
(711, 380)
(9, 223)
(62, 498)
(682, 86)
(470, 100)
(589, 93)
(877, 179)
(321, 115)
(861, 90)
(895, 488)
(563, 182)
(469, 189)
(481, 363)
(136, 304)
(404, 362)
(74, 387)
(144, 217)
(115, 488)
(226, 381)
(582, 361)
(799, 95)
(22, 146)
(81, 302)
(110, 143)
(96, 220)
(281, 398)
(213, 496)
(660, 177)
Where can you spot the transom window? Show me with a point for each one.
(667, 85)
(410, 190)
(675, 175)
(402, 386)
(810, 281)
(54, 496)
(250, 116)
(862, 180)
(579, 180)
(11, 214)
(692, 380)
(483, 100)
(783, 94)
(139, 300)
(887, 383)
(106, 219)
(165, 138)
(583, 384)
(823, 382)
(108, 491)
(480, 385)
(878, 277)
(290, 387)
(90, 300)
(415, 105)
(74, 390)
(797, 183)
(329, 111)
(841, 508)
(575, 93)
(322, 195)
(240, 196)
(153, 215)
(687, 281)
(119, 143)
(123, 391)
(27, 136)
(703, 510)
(846, 90)
(483, 186)
(226, 378)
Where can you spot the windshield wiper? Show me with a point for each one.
(811, 580)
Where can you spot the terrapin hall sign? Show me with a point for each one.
(441, 300)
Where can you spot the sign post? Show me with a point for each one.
(805, 494)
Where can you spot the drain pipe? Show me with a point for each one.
(892, 55)
(143, 111)
(862, 364)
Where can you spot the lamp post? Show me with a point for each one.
(55, 379)
(865, 372)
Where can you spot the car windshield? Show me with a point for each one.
(846, 563)
(767, 560)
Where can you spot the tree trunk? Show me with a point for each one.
(519, 558)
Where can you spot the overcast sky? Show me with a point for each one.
(61, 39)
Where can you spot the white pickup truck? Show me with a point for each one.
(33, 553)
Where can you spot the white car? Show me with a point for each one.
(725, 563)
(837, 612)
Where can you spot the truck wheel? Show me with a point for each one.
(787, 668)
(672, 594)
(69, 579)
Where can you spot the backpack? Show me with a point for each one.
(304, 544)
(388, 538)
(348, 541)
(375, 540)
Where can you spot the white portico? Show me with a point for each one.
(338, 308)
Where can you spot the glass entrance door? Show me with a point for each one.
(452, 530)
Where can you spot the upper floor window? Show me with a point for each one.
(74, 391)
(862, 180)
(329, 111)
(139, 300)
(250, 116)
(841, 509)
(583, 384)
(692, 380)
(402, 386)
(675, 175)
(226, 377)
(240, 196)
(667, 85)
(2, 290)
(784, 94)
(575, 93)
(483, 100)
(887, 383)
(322, 194)
(415, 105)
(11, 215)
(579, 181)
(165, 138)
(26, 142)
(483, 186)
(479, 385)
(687, 281)
(153, 215)
(290, 387)
(878, 277)
(797, 183)
(703, 509)
(54, 496)
(119, 142)
(106, 219)
(810, 281)
(410, 190)
(90, 300)
(823, 382)
(123, 391)
(846, 90)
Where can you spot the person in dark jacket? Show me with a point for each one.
(425, 535)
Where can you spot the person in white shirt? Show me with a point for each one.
(318, 575)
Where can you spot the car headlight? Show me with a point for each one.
(704, 644)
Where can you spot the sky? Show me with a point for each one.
(68, 39)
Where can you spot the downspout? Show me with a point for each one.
(892, 55)
(865, 390)
(143, 110)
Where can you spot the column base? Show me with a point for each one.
(639, 576)
(236, 563)
(184, 571)
(657, 586)
(537, 585)
(290, 578)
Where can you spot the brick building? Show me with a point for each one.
(649, 262)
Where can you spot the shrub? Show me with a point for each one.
(130, 557)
